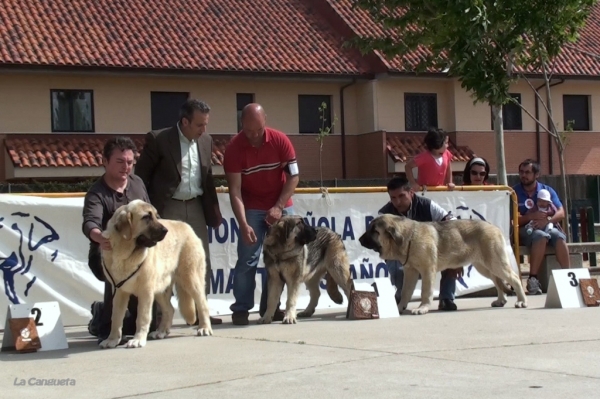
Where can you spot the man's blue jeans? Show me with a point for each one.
(244, 279)
(447, 283)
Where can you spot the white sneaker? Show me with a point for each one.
(534, 287)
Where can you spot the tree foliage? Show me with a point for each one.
(476, 41)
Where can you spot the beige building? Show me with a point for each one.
(57, 106)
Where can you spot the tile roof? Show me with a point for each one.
(271, 36)
(403, 146)
(287, 36)
(54, 150)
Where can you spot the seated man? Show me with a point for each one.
(404, 202)
(527, 194)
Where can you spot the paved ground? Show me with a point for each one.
(477, 352)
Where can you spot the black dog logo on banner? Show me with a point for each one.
(15, 262)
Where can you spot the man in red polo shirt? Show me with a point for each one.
(262, 174)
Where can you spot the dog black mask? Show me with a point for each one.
(367, 241)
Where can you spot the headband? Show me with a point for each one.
(477, 160)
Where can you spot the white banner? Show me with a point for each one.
(43, 252)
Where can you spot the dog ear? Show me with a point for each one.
(398, 239)
(307, 234)
(124, 225)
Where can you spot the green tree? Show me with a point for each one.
(480, 42)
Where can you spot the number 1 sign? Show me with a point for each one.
(563, 288)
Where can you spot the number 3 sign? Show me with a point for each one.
(563, 289)
(47, 322)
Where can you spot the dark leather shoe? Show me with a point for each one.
(240, 318)
(279, 315)
(447, 305)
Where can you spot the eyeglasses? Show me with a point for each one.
(475, 173)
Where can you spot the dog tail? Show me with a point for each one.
(187, 306)
(333, 291)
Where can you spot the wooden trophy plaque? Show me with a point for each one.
(25, 334)
(590, 291)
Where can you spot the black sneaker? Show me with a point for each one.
(94, 324)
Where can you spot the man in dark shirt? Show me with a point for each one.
(116, 187)
(404, 202)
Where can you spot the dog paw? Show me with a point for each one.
(420, 310)
(498, 303)
(519, 304)
(158, 334)
(265, 320)
(289, 319)
(135, 343)
(109, 343)
(204, 332)
(306, 313)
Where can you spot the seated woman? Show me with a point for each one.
(476, 172)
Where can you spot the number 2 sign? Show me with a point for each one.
(563, 288)
(48, 324)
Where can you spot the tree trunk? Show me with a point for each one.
(561, 158)
(499, 132)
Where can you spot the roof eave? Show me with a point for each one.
(103, 70)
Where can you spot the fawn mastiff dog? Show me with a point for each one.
(294, 253)
(148, 257)
(426, 248)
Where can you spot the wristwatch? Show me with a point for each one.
(549, 218)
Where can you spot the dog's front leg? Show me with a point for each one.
(144, 317)
(275, 288)
(292, 297)
(120, 301)
(427, 279)
(411, 277)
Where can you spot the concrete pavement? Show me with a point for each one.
(476, 352)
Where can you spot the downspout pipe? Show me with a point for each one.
(550, 139)
(343, 126)
(537, 126)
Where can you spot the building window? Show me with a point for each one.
(512, 114)
(309, 115)
(242, 99)
(165, 107)
(420, 112)
(72, 110)
(576, 109)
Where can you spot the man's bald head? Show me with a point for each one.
(253, 110)
(253, 123)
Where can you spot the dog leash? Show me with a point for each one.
(408, 249)
(116, 286)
